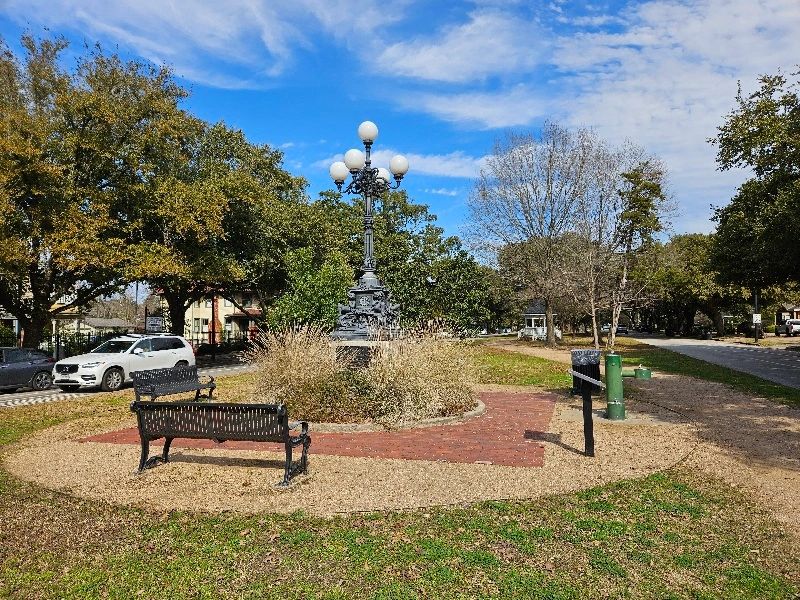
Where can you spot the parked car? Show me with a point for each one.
(790, 327)
(622, 330)
(110, 365)
(23, 367)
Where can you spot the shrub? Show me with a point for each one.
(415, 378)
(298, 367)
(420, 377)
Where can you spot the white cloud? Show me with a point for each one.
(441, 192)
(488, 110)
(203, 40)
(488, 44)
(454, 164)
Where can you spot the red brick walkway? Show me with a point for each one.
(501, 436)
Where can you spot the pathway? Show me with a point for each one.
(505, 434)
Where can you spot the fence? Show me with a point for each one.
(64, 345)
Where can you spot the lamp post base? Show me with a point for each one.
(369, 313)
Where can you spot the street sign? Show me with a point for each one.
(154, 324)
(756, 318)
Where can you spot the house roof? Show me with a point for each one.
(534, 307)
(114, 323)
(250, 312)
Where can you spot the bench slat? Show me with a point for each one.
(219, 421)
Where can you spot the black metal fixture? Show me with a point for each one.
(369, 311)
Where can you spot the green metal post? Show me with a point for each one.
(616, 401)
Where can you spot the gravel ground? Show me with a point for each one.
(243, 481)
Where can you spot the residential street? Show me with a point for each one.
(772, 364)
(28, 397)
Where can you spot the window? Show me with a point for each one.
(145, 345)
(227, 303)
(17, 356)
(196, 325)
(160, 344)
(204, 325)
(209, 302)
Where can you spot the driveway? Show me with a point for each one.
(772, 364)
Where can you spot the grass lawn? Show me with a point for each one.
(506, 367)
(634, 353)
(670, 535)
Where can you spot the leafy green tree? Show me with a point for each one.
(241, 213)
(77, 151)
(756, 243)
(687, 282)
(429, 275)
(643, 199)
(313, 290)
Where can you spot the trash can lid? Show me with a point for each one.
(585, 357)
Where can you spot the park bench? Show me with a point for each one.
(219, 422)
(176, 380)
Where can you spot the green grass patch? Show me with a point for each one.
(506, 367)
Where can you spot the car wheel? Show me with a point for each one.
(41, 381)
(182, 363)
(112, 380)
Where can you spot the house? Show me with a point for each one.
(96, 326)
(232, 322)
(785, 312)
(535, 322)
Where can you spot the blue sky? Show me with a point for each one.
(444, 80)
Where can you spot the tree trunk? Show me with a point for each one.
(719, 322)
(176, 304)
(551, 332)
(32, 327)
(595, 334)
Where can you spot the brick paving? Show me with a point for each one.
(502, 435)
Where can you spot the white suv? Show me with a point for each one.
(111, 363)
(790, 327)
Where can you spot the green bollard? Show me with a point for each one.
(616, 401)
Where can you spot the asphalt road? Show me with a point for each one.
(773, 364)
(26, 398)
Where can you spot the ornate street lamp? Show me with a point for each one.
(369, 310)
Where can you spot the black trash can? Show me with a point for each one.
(585, 362)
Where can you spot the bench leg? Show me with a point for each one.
(304, 457)
(167, 444)
(287, 472)
(145, 453)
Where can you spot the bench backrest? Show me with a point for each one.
(152, 377)
(225, 421)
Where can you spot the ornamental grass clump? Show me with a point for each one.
(421, 376)
(298, 367)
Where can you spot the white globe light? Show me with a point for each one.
(354, 159)
(384, 175)
(339, 171)
(368, 131)
(399, 165)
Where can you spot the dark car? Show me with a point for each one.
(23, 367)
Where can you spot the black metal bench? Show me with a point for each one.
(177, 380)
(219, 422)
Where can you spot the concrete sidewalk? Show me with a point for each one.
(772, 364)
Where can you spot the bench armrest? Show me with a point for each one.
(296, 424)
